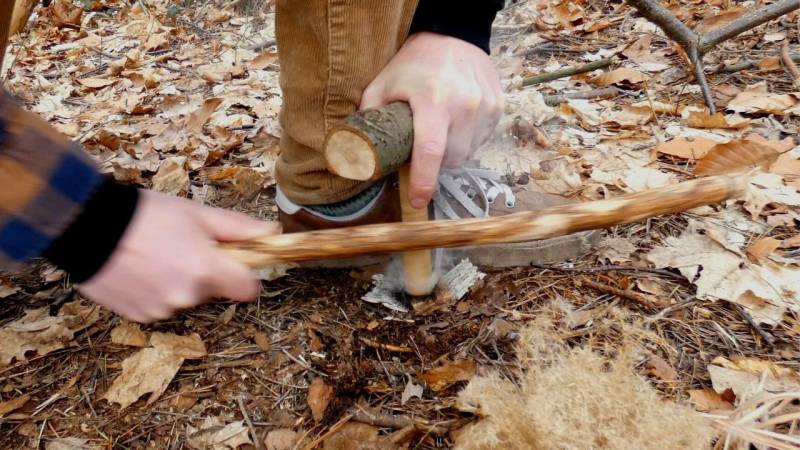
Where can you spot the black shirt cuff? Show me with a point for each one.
(91, 239)
(470, 21)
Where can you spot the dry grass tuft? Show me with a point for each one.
(575, 398)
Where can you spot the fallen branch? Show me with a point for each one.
(642, 299)
(697, 45)
(566, 72)
(517, 227)
(387, 347)
(600, 93)
(791, 67)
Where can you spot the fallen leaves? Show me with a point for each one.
(766, 291)
(212, 435)
(172, 178)
(320, 395)
(686, 148)
(38, 331)
(623, 77)
(708, 400)
(151, 369)
(735, 156)
(661, 369)
(13, 404)
(747, 376)
(442, 377)
(129, 333)
(757, 100)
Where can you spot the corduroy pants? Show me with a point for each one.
(329, 51)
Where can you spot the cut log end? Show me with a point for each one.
(350, 155)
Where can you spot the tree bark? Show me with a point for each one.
(746, 22)
(370, 144)
(517, 227)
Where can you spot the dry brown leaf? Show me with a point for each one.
(622, 76)
(661, 369)
(770, 63)
(769, 189)
(70, 443)
(172, 178)
(156, 41)
(719, 20)
(441, 377)
(762, 248)
(212, 435)
(282, 439)
(13, 404)
(66, 12)
(185, 399)
(128, 333)
(702, 119)
(615, 250)
(747, 376)
(320, 395)
(151, 369)
(686, 148)
(196, 120)
(779, 146)
(263, 61)
(631, 116)
(262, 341)
(359, 436)
(766, 291)
(735, 156)
(96, 83)
(38, 331)
(756, 100)
(792, 242)
(568, 13)
(188, 347)
(707, 400)
(786, 164)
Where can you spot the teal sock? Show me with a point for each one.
(350, 206)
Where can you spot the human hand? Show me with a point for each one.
(167, 261)
(456, 99)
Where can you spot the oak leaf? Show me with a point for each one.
(444, 376)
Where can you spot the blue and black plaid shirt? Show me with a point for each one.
(45, 179)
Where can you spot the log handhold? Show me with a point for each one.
(517, 227)
(370, 144)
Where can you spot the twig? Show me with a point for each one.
(642, 299)
(256, 440)
(747, 317)
(609, 268)
(387, 347)
(791, 67)
(746, 22)
(566, 72)
(601, 93)
(697, 45)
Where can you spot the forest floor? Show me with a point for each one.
(183, 97)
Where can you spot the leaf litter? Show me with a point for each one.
(183, 98)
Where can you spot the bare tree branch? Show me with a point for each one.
(697, 45)
(653, 11)
(746, 22)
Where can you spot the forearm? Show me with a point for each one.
(53, 200)
(470, 21)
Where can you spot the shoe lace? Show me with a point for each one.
(464, 186)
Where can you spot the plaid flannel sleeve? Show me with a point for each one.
(53, 201)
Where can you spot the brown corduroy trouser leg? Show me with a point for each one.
(329, 50)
